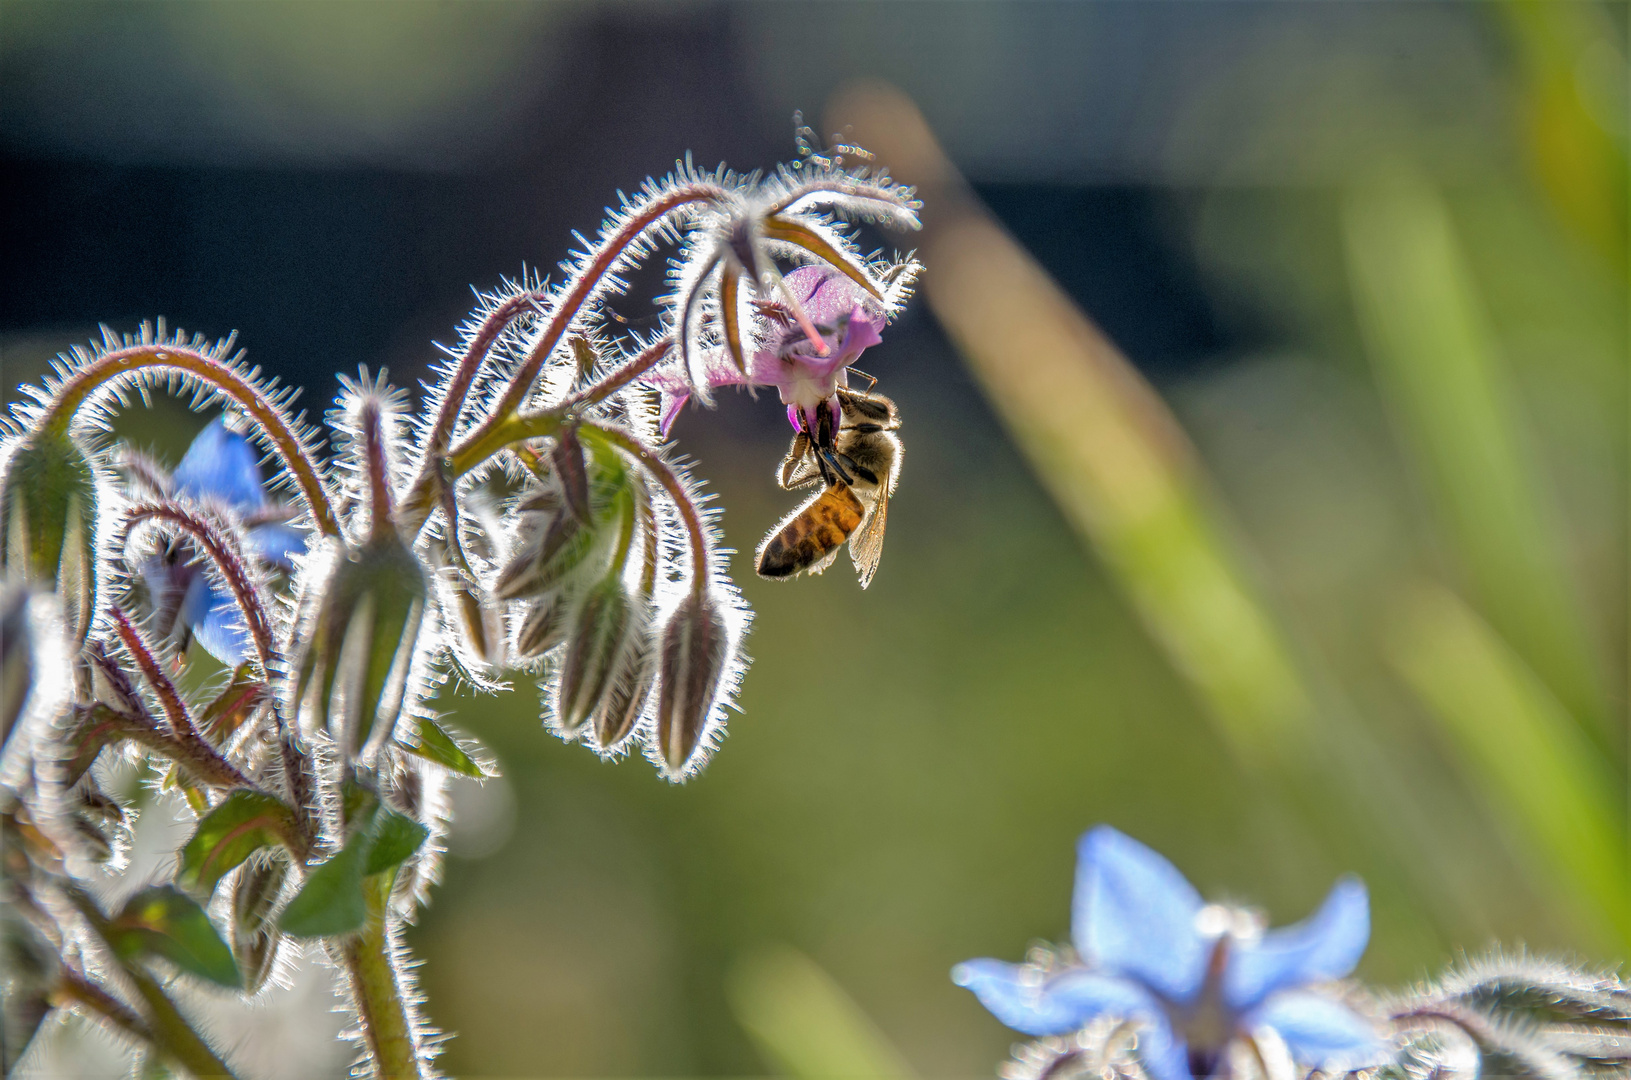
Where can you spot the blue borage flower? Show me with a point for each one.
(1192, 976)
(221, 469)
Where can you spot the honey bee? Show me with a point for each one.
(858, 467)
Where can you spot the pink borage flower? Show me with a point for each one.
(847, 319)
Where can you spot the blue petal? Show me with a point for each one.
(1321, 1033)
(221, 631)
(1053, 1006)
(1324, 946)
(1164, 1054)
(1134, 914)
(221, 464)
(277, 544)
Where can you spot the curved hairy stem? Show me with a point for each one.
(376, 991)
(582, 285)
(201, 365)
(648, 460)
(230, 565)
(589, 276)
(622, 375)
(475, 354)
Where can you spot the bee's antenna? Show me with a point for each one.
(871, 380)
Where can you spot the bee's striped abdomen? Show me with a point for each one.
(812, 534)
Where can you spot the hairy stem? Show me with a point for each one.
(172, 1034)
(648, 460)
(228, 561)
(175, 709)
(621, 376)
(375, 989)
(200, 365)
(475, 354)
(74, 989)
(166, 1028)
(589, 277)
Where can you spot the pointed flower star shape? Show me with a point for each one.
(1193, 976)
(846, 318)
(221, 468)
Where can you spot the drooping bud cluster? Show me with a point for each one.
(528, 521)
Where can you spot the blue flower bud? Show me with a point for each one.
(695, 651)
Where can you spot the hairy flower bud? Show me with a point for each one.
(625, 702)
(48, 519)
(543, 628)
(558, 541)
(98, 822)
(17, 671)
(544, 561)
(479, 626)
(695, 650)
(358, 631)
(607, 626)
(254, 937)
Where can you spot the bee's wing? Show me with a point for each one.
(866, 546)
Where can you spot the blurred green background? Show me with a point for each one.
(1315, 562)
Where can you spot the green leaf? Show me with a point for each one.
(246, 822)
(331, 901)
(436, 745)
(163, 922)
(395, 838)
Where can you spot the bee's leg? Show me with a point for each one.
(871, 380)
(831, 458)
(860, 471)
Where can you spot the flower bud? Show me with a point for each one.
(16, 658)
(631, 687)
(98, 822)
(359, 628)
(695, 649)
(479, 624)
(48, 519)
(254, 937)
(544, 561)
(559, 539)
(543, 628)
(606, 627)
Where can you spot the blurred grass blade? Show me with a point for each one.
(1552, 790)
(1437, 363)
(804, 1022)
(1106, 448)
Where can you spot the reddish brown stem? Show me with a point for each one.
(475, 354)
(121, 362)
(378, 467)
(228, 561)
(193, 751)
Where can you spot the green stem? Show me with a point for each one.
(77, 990)
(200, 365)
(375, 990)
(172, 1034)
(166, 1028)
